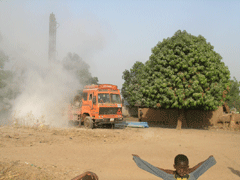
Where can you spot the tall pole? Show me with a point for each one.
(52, 38)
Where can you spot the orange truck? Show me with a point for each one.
(97, 105)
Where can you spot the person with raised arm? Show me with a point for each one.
(181, 165)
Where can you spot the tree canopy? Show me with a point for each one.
(182, 72)
(234, 99)
(130, 88)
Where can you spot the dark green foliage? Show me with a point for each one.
(131, 89)
(183, 72)
(234, 99)
(79, 68)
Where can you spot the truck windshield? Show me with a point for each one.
(115, 98)
(103, 98)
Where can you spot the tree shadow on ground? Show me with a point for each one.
(234, 171)
(166, 126)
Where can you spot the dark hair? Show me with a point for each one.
(180, 158)
(88, 177)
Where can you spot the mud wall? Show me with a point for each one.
(126, 111)
(165, 117)
(200, 118)
(168, 117)
(226, 118)
(237, 118)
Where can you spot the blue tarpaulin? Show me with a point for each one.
(133, 124)
(138, 124)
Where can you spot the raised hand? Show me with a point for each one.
(135, 155)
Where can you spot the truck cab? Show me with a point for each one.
(99, 105)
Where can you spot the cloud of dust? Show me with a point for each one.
(43, 90)
(39, 93)
(45, 96)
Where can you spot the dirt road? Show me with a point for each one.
(43, 153)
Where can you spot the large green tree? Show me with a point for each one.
(234, 95)
(74, 63)
(131, 87)
(183, 72)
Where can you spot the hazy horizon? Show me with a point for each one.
(110, 36)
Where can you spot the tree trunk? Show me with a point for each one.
(181, 119)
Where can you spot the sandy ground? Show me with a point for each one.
(43, 153)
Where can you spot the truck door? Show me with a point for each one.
(94, 104)
(94, 101)
(90, 100)
(84, 98)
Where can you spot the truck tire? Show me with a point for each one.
(70, 123)
(82, 119)
(88, 122)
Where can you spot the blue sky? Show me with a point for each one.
(112, 35)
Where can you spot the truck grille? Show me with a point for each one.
(110, 110)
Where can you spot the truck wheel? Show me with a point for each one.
(82, 119)
(70, 123)
(88, 122)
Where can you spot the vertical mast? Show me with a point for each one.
(52, 38)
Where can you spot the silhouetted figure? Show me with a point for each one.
(141, 114)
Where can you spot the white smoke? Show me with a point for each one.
(44, 90)
(45, 96)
